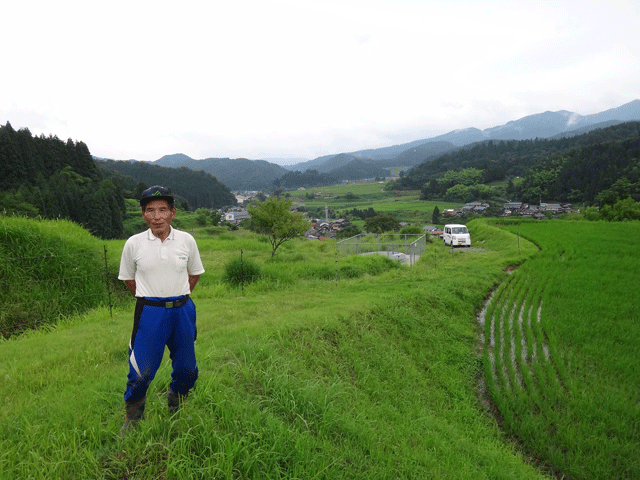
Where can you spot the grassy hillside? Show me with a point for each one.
(302, 375)
(49, 269)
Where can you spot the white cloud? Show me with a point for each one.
(289, 78)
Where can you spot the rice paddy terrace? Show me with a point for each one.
(561, 346)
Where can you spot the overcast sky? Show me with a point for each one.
(301, 79)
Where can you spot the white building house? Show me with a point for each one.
(236, 216)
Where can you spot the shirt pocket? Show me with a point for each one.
(182, 262)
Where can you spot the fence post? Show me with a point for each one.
(241, 273)
(107, 283)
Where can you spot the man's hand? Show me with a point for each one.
(193, 279)
(131, 285)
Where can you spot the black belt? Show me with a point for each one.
(172, 304)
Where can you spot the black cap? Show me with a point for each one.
(156, 193)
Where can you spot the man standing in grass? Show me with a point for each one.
(160, 267)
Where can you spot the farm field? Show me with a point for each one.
(562, 348)
(403, 205)
(337, 366)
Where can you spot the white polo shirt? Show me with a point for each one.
(160, 269)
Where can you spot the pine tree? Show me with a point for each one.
(435, 217)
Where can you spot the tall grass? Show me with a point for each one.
(49, 269)
(370, 377)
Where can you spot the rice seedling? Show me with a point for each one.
(579, 346)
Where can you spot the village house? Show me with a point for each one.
(534, 211)
(475, 207)
(554, 208)
(433, 230)
(236, 215)
(321, 230)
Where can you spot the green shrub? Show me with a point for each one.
(350, 231)
(238, 272)
(411, 230)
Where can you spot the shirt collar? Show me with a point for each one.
(152, 237)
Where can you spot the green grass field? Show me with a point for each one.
(404, 205)
(331, 366)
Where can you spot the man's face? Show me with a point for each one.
(158, 216)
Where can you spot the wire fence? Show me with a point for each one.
(406, 247)
(35, 291)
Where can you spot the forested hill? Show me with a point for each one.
(589, 157)
(46, 177)
(200, 189)
(243, 174)
(25, 158)
(602, 173)
(237, 174)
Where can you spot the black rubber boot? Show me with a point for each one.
(135, 412)
(174, 400)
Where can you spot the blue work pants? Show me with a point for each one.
(153, 328)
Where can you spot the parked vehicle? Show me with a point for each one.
(455, 234)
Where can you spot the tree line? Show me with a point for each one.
(599, 167)
(200, 189)
(43, 176)
(47, 177)
(600, 174)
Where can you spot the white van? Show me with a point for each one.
(455, 234)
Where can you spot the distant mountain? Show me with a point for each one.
(176, 160)
(624, 113)
(314, 164)
(405, 155)
(540, 125)
(284, 162)
(335, 162)
(237, 174)
(416, 155)
(544, 125)
(583, 130)
(244, 174)
(358, 169)
(461, 137)
(428, 145)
